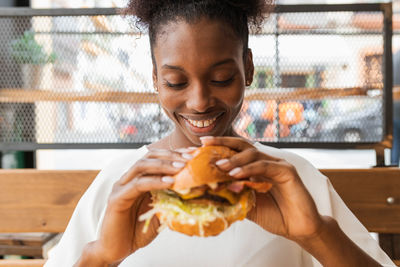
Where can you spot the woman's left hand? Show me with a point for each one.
(288, 208)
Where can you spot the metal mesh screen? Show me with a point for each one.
(71, 79)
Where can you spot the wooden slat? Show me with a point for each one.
(32, 96)
(303, 94)
(40, 201)
(100, 93)
(365, 192)
(26, 244)
(43, 201)
(29, 239)
(31, 251)
(22, 263)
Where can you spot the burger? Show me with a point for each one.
(204, 200)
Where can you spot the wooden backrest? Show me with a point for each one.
(43, 201)
(38, 200)
(373, 195)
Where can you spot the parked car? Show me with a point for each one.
(364, 125)
(143, 129)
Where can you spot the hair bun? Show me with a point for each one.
(146, 10)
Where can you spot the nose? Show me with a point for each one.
(199, 98)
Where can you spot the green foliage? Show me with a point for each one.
(310, 81)
(26, 50)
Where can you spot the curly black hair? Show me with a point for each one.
(151, 15)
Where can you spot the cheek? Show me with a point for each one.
(234, 98)
(170, 103)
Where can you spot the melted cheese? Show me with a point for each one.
(192, 193)
(227, 194)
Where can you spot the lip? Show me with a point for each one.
(204, 130)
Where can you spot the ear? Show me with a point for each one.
(155, 78)
(249, 67)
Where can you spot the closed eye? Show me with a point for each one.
(223, 83)
(174, 85)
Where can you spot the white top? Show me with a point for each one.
(243, 244)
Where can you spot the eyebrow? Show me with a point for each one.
(225, 61)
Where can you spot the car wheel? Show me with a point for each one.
(352, 136)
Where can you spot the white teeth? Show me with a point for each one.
(201, 123)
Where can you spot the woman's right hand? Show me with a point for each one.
(121, 232)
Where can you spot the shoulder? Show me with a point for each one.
(95, 197)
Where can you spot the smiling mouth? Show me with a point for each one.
(202, 126)
(202, 123)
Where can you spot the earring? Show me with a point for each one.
(247, 83)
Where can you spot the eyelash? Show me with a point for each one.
(173, 85)
(181, 85)
(223, 83)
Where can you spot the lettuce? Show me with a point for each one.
(171, 207)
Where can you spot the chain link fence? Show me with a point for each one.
(82, 78)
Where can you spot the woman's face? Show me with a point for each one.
(200, 75)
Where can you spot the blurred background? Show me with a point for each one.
(76, 89)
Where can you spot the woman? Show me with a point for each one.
(201, 67)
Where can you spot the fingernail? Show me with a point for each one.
(206, 137)
(221, 162)
(167, 179)
(235, 171)
(178, 164)
(192, 148)
(187, 156)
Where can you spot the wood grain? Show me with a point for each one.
(26, 244)
(101, 93)
(365, 192)
(22, 263)
(32, 96)
(40, 201)
(29, 239)
(43, 201)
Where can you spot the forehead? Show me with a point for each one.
(203, 40)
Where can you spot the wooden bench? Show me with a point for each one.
(42, 201)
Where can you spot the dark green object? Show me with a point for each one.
(13, 160)
(26, 50)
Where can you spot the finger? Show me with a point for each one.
(186, 149)
(151, 166)
(235, 143)
(277, 172)
(245, 157)
(136, 187)
(169, 155)
(259, 179)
